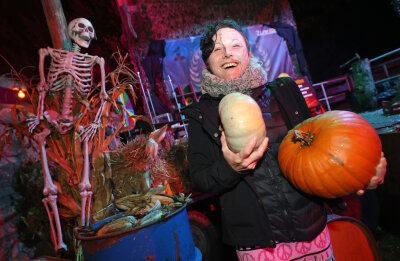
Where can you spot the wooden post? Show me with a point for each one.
(57, 24)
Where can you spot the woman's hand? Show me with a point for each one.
(247, 158)
(379, 177)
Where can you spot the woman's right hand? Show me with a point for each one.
(247, 158)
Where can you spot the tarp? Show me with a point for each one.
(183, 64)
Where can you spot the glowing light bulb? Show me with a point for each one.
(21, 94)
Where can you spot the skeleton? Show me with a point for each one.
(69, 72)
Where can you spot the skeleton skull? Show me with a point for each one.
(81, 32)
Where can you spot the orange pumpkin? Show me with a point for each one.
(331, 155)
(241, 120)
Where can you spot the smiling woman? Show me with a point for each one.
(239, 177)
(262, 214)
(230, 56)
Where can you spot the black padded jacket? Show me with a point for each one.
(260, 207)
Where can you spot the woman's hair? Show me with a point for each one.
(207, 43)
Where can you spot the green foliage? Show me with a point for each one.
(364, 87)
(396, 87)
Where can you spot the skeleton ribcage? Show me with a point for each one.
(70, 68)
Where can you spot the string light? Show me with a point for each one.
(21, 94)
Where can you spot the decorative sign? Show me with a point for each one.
(307, 91)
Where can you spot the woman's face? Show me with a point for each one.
(230, 56)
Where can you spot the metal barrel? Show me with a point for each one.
(167, 239)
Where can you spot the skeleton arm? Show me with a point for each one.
(42, 87)
(89, 132)
(103, 93)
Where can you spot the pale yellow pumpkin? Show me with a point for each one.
(241, 120)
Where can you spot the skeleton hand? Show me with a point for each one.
(379, 177)
(88, 133)
(33, 121)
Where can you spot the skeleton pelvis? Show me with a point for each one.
(62, 124)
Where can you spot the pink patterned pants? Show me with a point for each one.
(319, 249)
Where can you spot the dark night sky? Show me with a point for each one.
(331, 31)
(25, 30)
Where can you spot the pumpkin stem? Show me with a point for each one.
(305, 138)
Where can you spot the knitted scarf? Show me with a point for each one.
(253, 77)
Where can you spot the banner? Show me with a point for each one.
(183, 64)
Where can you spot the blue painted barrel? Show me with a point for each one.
(167, 239)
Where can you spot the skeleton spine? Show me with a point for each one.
(66, 112)
(76, 48)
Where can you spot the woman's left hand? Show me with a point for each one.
(247, 158)
(379, 177)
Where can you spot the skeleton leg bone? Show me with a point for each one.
(52, 201)
(50, 191)
(85, 210)
(85, 186)
(46, 203)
